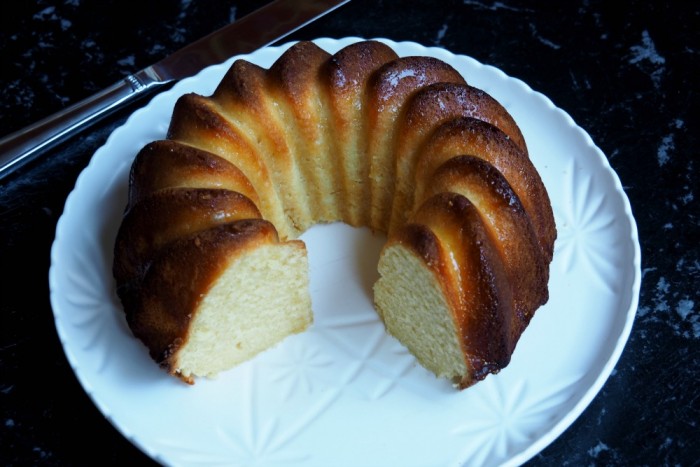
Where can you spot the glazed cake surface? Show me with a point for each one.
(207, 264)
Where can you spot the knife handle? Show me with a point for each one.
(18, 148)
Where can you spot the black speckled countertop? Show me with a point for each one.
(625, 71)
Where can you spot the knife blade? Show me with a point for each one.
(255, 30)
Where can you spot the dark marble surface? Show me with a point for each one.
(625, 71)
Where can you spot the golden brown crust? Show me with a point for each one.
(346, 76)
(468, 136)
(165, 216)
(244, 97)
(244, 85)
(429, 108)
(169, 164)
(390, 87)
(296, 71)
(347, 71)
(394, 81)
(508, 224)
(439, 102)
(293, 82)
(181, 274)
(482, 296)
(200, 122)
(393, 143)
(197, 121)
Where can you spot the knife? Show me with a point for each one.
(260, 28)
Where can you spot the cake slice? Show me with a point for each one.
(443, 292)
(217, 298)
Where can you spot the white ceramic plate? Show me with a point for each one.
(345, 393)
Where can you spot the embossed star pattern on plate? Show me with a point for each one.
(344, 392)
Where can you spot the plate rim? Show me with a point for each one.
(544, 440)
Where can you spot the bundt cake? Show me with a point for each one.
(206, 261)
